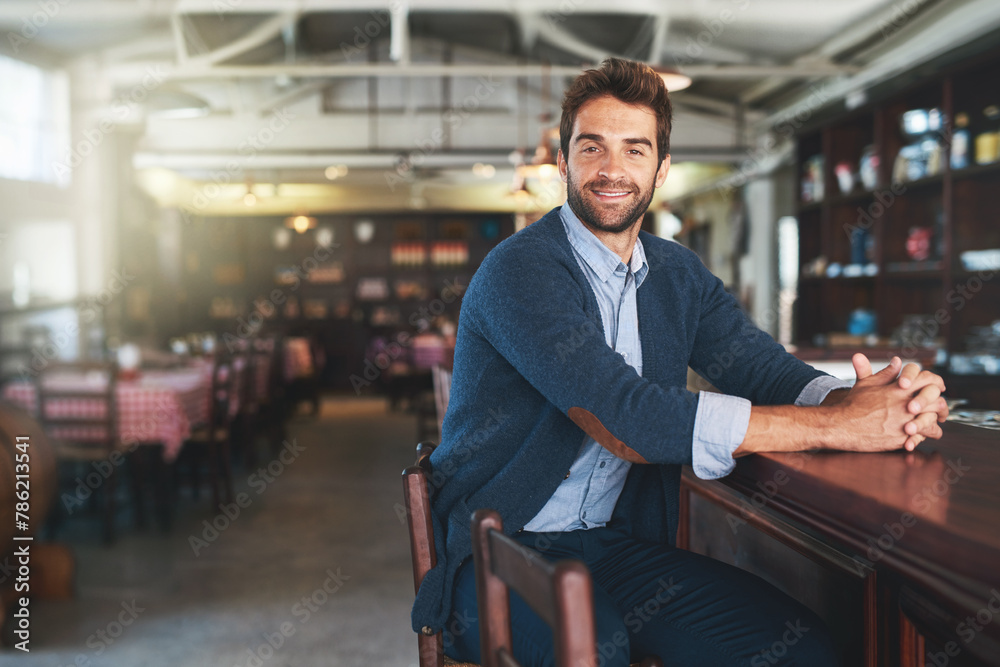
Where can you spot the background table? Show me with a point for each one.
(158, 407)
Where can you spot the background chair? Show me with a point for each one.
(77, 409)
(214, 436)
(441, 377)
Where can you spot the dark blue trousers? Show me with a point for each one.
(651, 599)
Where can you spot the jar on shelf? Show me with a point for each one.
(988, 141)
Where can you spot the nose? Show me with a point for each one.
(612, 167)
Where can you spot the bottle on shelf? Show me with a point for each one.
(960, 142)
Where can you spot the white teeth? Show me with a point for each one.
(612, 194)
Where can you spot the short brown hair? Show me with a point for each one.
(626, 80)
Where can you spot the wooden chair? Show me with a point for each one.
(416, 494)
(441, 377)
(561, 593)
(80, 417)
(213, 437)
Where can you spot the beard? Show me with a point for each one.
(613, 219)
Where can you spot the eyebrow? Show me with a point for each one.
(597, 137)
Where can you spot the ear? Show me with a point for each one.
(563, 166)
(661, 173)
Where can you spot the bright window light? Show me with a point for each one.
(34, 122)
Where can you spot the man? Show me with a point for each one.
(569, 412)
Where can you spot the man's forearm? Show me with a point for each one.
(788, 428)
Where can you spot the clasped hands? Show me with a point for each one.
(894, 402)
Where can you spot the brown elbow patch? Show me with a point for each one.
(593, 427)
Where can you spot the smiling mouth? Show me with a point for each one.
(611, 194)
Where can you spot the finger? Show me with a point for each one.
(884, 376)
(912, 442)
(924, 424)
(938, 406)
(909, 374)
(922, 379)
(862, 367)
(942, 409)
(925, 397)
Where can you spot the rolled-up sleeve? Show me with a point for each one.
(720, 425)
(817, 390)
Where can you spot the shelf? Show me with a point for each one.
(930, 269)
(921, 183)
(853, 197)
(976, 170)
(838, 279)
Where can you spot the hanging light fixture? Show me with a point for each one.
(300, 223)
(672, 79)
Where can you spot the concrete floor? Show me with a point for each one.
(318, 561)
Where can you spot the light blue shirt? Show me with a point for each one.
(587, 497)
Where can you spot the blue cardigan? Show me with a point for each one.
(533, 373)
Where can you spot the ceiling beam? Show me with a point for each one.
(192, 72)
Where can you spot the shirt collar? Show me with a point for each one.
(598, 256)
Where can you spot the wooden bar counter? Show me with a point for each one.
(898, 552)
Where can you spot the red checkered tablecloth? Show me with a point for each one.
(160, 406)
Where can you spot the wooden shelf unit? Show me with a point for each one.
(962, 204)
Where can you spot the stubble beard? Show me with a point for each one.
(614, 220)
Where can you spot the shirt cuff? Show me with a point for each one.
(816, 391)
(720, 425)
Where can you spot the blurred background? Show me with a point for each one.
(257, 218)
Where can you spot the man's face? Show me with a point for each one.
(612, 170)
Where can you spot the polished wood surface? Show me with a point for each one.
(928, 520)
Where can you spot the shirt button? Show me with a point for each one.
(604, 463)
(567, 475)
(624, 355)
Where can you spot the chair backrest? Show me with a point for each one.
(416, 494)
(560, 593)
(224, 388)
(77, 402)
(442, 390)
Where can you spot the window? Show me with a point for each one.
(34, 123)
